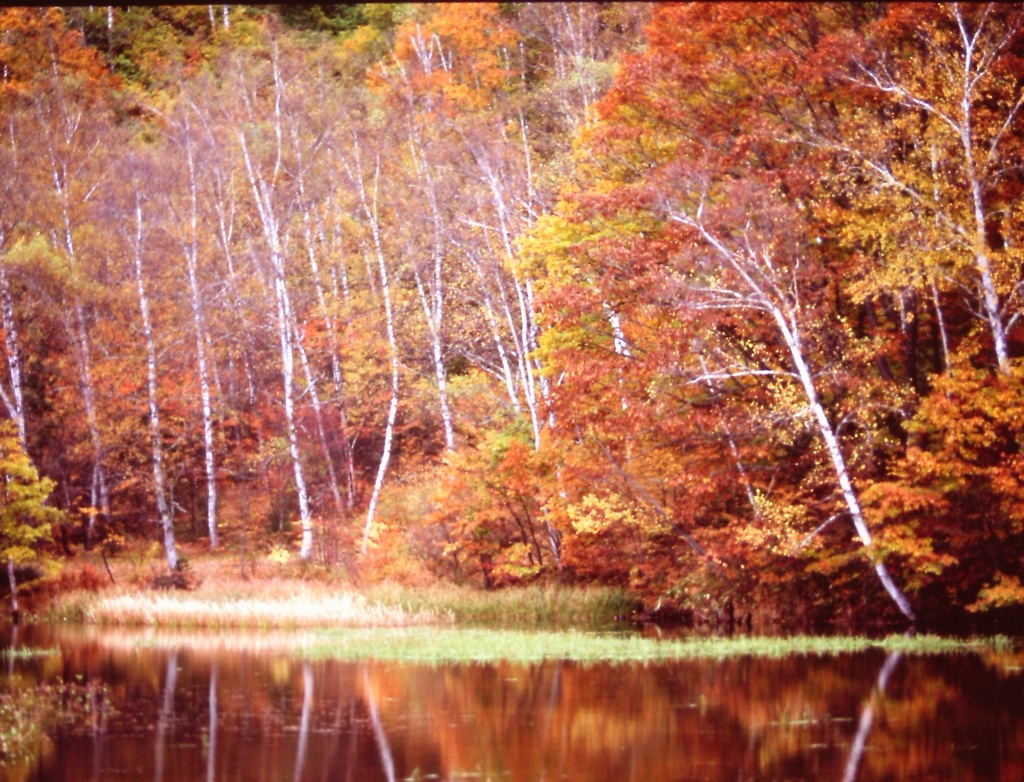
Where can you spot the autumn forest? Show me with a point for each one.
(717, 303)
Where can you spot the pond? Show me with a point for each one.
(171, 707)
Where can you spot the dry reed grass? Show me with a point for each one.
(285, 596)
(291, 604)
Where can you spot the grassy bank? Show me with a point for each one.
(305, 607)
(288, 596)
(537, 607)
(299, 604)
(285, 604)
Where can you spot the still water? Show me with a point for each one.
(247, 707)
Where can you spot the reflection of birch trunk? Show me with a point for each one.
(166, 713)
(867, 717)
(211, 733)
(387, 761)
(13, 654)
(307, 709)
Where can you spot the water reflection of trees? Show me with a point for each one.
(193, 714)
(867, 717)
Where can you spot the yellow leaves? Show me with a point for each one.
(279, 555)
(1006, 591)
(593, 515)
(887, 500)
(516, 563)
(779, 527)
(457, 51)
(906, 541)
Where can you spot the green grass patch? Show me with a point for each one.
(452, 645)
(27, 653)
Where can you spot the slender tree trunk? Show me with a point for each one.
(525, 329)
(191, 249)
(101, 498)
(431, 304)
(389, 320)
(940, 319)
(12, 582)
(499, 345)
(431, 290)
(835, 453)
(314, 268)
(13, 402)
(288, 378)
(263, 193)
(989, 293)
(156, 439)
(761, 290)
(332, 478)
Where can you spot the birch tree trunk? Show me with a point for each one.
(13, 398)
(965, 98)
(190, 247)
(430, 287)
(263, 190)
(370, 211)
(311, 256)
(156, 439)
(69, 143)
(11, 211)
(760, 284)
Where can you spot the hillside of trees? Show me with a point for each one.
(719, 303)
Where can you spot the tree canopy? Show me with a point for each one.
(720, 303)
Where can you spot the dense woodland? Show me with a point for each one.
(719, 303)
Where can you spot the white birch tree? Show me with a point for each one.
(164, 511)
(752, 264)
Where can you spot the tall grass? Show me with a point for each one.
(295, 603)
(302, 605)
(535, 606)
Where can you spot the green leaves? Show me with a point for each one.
(25, 519)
